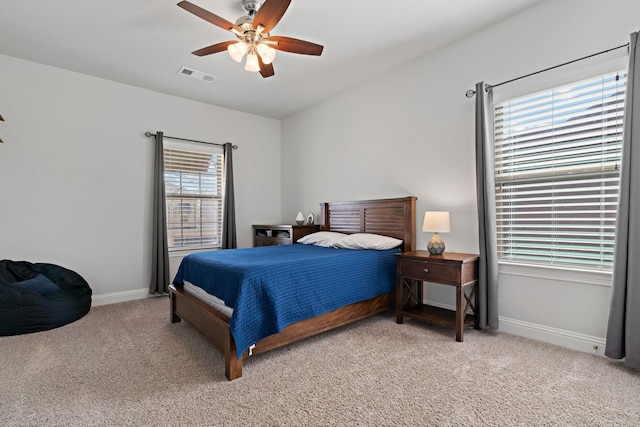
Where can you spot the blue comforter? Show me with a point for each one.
(271, 287)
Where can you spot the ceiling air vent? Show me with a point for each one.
(195, 74)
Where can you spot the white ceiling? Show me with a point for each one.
(145, 42)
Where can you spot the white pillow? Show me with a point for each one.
(367, 241)
(321, 238)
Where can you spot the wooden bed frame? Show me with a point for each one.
(389, 217)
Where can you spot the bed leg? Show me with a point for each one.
(232, 365)
(173, 316)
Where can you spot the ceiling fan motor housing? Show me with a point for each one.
(245, 22)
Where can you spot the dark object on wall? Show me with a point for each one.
(39, 297)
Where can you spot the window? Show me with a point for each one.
(557, 157)
(194, 188)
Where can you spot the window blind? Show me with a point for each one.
(194, 188)
(557, 157)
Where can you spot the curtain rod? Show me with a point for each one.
(148, 134)
(472, 92)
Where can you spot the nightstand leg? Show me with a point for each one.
(399, 300)
(459, 312)
(476, 301)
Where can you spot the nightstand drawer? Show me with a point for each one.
(429, 271)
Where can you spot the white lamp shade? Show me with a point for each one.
(436, 222)
(252, 62)
(237, 51)
(267, 53)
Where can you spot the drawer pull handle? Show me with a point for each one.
(426, 270)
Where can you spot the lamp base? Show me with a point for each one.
(436, 245)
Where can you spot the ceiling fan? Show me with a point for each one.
(252, 32)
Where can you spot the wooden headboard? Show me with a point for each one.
(388, 217)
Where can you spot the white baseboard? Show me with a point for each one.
(114, 297)
(561, 337)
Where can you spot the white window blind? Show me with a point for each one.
(194, 188)
(557, 157)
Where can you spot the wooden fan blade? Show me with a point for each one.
(270, 14)
(215, 48)
(208, 16)
(266, 70)
(288, 44)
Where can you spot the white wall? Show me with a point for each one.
(411, 132)
(75, 170)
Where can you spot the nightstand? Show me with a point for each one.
(274, 235)
(450, 268)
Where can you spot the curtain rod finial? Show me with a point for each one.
(470, 93)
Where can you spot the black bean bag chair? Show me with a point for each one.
(39, 297)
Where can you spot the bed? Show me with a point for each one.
(389, 217)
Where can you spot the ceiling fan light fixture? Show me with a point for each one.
(253, 33)
(237, 51)
(252, 63)
(267, 53)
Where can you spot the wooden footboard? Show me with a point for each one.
(215, 325)
(210, 323)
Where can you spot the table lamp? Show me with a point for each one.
(436, 222)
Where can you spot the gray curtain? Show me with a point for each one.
(160, 252)
(623, 330)
(488, 268)
(228, 204)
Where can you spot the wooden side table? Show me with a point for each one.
(450, 268)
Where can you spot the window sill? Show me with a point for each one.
(586, 277)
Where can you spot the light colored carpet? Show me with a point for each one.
(125, 364)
